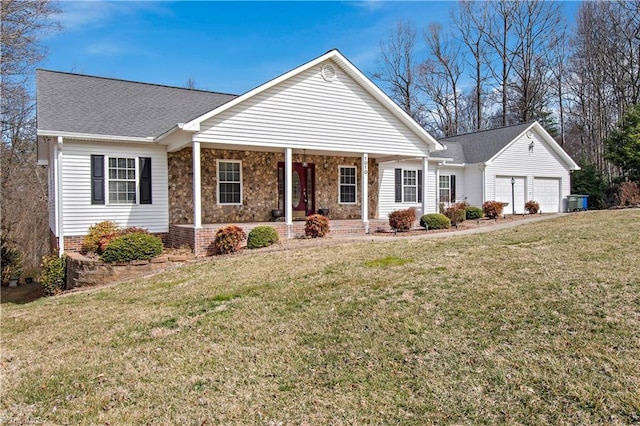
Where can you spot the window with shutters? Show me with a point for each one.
(410, 186)
(347, 189)
(229, 182)
(122, 180)
(447, 189)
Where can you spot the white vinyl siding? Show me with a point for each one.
(386, 188)
(53, 225)
(307, 112)
(520, 161)
(79, 213)
(229, 182)
(504, 193)
(348, 185)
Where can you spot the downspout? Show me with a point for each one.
(59, 220)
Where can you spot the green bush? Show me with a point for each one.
(474, 213)
(134, 246)
(228, 239)
(53, 275)
(402, 220)
(262, 236)
(492, 209)
(11, 258)
(456, 213)
(316, 226)
(96, 233)
(532, 207)
(435, 221)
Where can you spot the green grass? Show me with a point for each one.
(533, 325)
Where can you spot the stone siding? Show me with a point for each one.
(259, 186)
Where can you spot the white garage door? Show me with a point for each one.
(546, 191)
(503, 193)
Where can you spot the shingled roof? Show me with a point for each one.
(481, 146)
(75, 103)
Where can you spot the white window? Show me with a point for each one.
(410, 186)
(122, 180)
(446, 193)
(347, 186)
(229, 182)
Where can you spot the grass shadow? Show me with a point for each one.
(24, 293)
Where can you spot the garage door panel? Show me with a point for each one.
(503, 192)
(546, 191)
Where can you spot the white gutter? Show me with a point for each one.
(58, 166)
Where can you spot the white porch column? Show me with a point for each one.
(288, 191)
(197, 191)
(364, 192)
(57, 154)
(425, 180)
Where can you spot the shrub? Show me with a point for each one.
(492, 209)
(402, 220)
(456, 213)
(228, 239)
(316, 226)
(435, 221)
(629, 193)
(532, 207)
(11, 259)
(53, 275)
(473, 212)
(134, 246)
(96, 232)
(262, 236)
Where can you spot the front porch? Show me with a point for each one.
(201, 239)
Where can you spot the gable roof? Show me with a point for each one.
(485, 145)
(349, 69)
(82, 104)
(481, 146)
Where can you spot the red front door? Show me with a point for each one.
(302, 188)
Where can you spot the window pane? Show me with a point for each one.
(410, 194)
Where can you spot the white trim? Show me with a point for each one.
(364, 181)
(288, 189)
(108, 180)
(57, 151)
(197, 185)
(355, 184)
(448, 175)
(222, 160)
(93, 136)
(410, 169)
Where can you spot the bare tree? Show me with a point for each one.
(397, 69)
(439, 79)
(23, 198)
(471, 23)
(190, 83)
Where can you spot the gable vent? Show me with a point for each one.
(328, 72)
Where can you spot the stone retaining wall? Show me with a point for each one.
(83, 271)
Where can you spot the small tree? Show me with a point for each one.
(589, 181)
(623, 145)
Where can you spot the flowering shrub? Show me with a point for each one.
(96, 232)
(228, 239)
(456, 213)
(532, 207)
(402, 220)
(435, 221)
(492, 209)
(316, 226)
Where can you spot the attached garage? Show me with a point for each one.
(503, 192)
(546, 191)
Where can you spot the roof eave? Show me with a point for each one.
(93, 136)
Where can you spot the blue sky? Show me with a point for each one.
(228, 47)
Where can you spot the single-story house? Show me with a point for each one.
(182, 162)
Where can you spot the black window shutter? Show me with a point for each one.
(145, 180)
(419, 186)
(398, 185)
(97, 179)
(453, 188)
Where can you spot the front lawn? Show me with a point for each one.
(534, 325)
